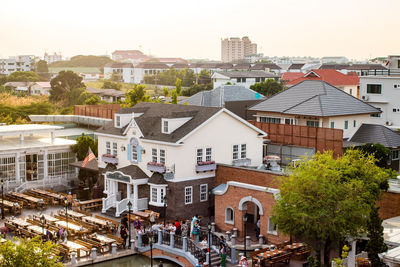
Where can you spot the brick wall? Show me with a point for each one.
(156, 252)
(101, 111)
(390, 205)
(315, 137)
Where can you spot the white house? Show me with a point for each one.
(109, 95)
(243, 78)
(18, 63)
(154, 150)
(40, 88)
(124, 72)
(315, 104)
(383, 92)
(31, 156)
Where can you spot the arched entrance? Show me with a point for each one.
(253, 210)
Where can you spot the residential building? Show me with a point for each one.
(108, 95)
(243, 78)
(253, 58)
(148, 68)
(383, 92)
(235, 49)
(295, 67)
(269, 67)
(359, 69)
(348, 83)
(40, 88)
(235, 98)
(131, 56)
(19, 87)
(121, 71)
(338, 60)
(375, 133)
(18, 63)
(154, 150)
(51, 58)
(30, 88)
(32, 156)
(393, 62)
(316, 104)
(290, 76)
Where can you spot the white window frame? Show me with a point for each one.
(208, 153)
(203, 194)
(108, 147)
(165, 126)
(161, 190)
(270, 224)
(154, 157)
(115, 149)
(235, 153)
(199, 155)
(118, 121)
(154, 190)
(232, 222)
(243, 156)
(134, 154)
(161, 156)
(188, 195)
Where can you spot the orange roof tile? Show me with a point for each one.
(330, 76)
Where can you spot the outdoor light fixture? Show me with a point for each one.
(129, 221)
(245, 233)
(209, 243)
(43, 220)
(165, 206)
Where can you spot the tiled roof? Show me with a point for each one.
(119, 65)
(44, 84)
(334, 66)
(296, 66)
(150, 121)
(134, 171)
(248, 74)
(105, 92)
(263, 66)
(353, 66)
(314, 98)
(330, 76)
(290, 76)
(374, 133)
(242, 66)
(225, 93)
(152, 65)
(180, 65)
(157, 178)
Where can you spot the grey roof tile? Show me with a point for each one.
(248, 74)
(375, 133)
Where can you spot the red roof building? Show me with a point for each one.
(290, 76)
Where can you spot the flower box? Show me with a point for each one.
(156, 167)
(206, 166)
(108, 158)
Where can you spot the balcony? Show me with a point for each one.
(241, 162)
(206, 166)
(156, 167)
(108, 158)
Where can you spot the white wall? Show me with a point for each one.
(387, 101)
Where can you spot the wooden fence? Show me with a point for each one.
(321, 139)
(100, 111)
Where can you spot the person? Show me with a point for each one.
(222, 241)
(258, 228)
(69, 200)
(195, 218)
(124, 221)
(124, 235)
(178, 230)
(204, 244)
(222, 254)
(243, 262)
(137, 224)
(184, 230)
(65, 236)
(161, 265)
(59, 234)
(47, 234)
(195, 231)
(200, 264)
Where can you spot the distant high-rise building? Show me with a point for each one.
(18, 63)
(235, 49)
(51, 58)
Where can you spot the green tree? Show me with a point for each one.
(42, 70)
(23, 76)
(28, 253)
(84, 61)
(205, 73)
(195, 88)
(165, 91)
(376, 242)
(324, 200)
(174, 97)
(81, 149)
(93, 100)
(136, 95)
(380, 152)
(111, 85)
(63, 83)
(178, 86)
(268, 88)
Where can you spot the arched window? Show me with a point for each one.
(229, 215)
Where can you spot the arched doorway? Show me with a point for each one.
(252, 209)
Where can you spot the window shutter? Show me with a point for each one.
(139, 153)
(129, 152)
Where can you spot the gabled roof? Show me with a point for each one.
(18, 84)
(248, 74)
(374, 133)
(314, 98)
(105, 92)
(366, 67)
(242, 66)
(44, 84)
(290, 76)
(152, 65)
(334, 66)
(263, 66)
(296, 66)
(225, 93)
(157, 178)
(119, 65)
(134, 171)
(330, 76)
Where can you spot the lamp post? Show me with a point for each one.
(43, 220)
(151, 238)
(245, 232)
(165, 207)
(209, 244)
(129, 222)
(2, 199)
(209, 208)
(66, 211)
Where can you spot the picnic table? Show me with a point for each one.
(294, 246)
(39, 230)
(37, 202)
(14, 207)
(95, 220)
(53, 195)
(72, 246)
(269, 254)
(90, 204)
(73, 213)
(71, 227)
(19, 222)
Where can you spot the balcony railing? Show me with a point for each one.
(108, 158)
(156, 167)
(206, 166)
(241, 162)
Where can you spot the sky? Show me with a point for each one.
(357, 29)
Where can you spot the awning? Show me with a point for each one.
(90, 166)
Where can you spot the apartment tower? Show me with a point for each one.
(235, 49)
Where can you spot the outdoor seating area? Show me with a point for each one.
(11, 207)
(90, 205)
(281, 253)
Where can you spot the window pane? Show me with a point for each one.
(154, 155)
(235, 154)
(199, 155)
(374, 88)
(208, 154)
(243, 151)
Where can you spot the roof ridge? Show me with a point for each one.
(300, 103)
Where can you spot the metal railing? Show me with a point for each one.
(178, 241)
(142, 203)
(196, 251)
(165, 239)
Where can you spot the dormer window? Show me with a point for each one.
(165, 126)
(117, 121)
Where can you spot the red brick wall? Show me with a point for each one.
(232, 198)
(390, 205)
(315, 137)
(225, 173)
(101, 111)
(182, 260)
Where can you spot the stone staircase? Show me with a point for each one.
(215, 259)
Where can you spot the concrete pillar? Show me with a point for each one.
(94, 253)
(139, 238)
(135, 197)
(351, 258)
(21, 137)
(248, 241)
(233, 240)
(114, 249)
(133, 244)
(233, 255)
(184, 243)
(159, 237)
(53, 137)
(73, 258)
(228, 235)
(261, 239)
(213, 227)
(171, 239)
(235, 231)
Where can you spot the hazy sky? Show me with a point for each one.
(193, 29)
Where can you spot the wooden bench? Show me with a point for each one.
(92, 204)
(115, 223)
(118, 240)
(281, 258)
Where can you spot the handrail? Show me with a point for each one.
(121, 206)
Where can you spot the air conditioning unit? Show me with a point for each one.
(365, 97)
(389, 123)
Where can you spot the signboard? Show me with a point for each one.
(118, 176)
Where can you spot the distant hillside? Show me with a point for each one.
(83, 61)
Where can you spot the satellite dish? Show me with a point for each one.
(257, 95)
